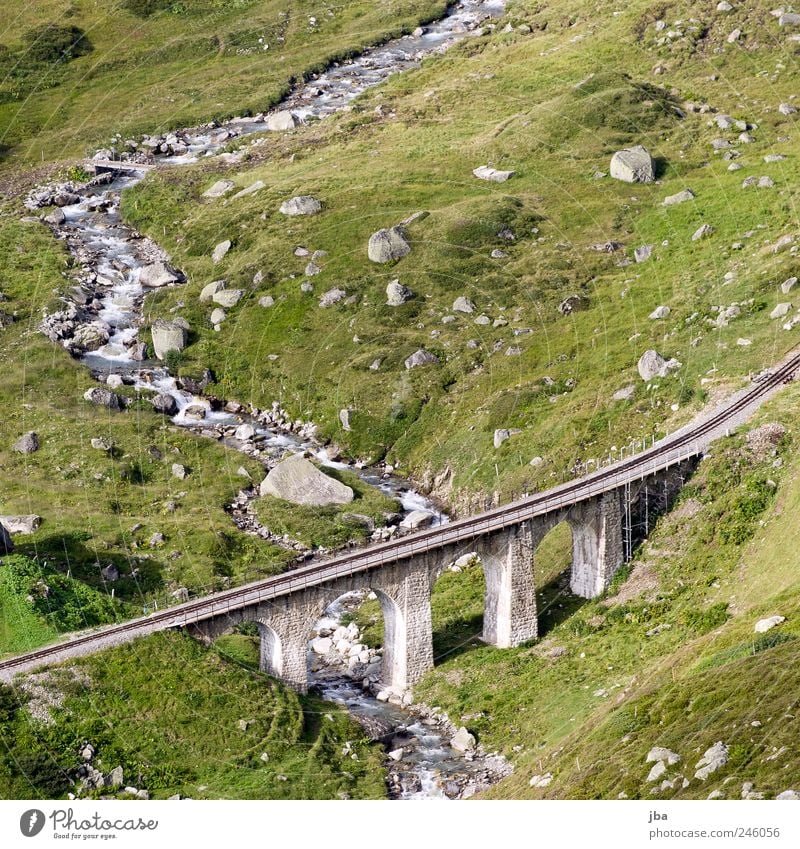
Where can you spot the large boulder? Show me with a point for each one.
(297, 480)
(282, 121)
(463, 741)
(167, 336)
(388, 245)
(165, 404)
(219, 252)
(158, 274)
(633, 165)
(301, 205)
(227, 298)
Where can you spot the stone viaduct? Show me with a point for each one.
(608, 512)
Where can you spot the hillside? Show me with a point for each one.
(536, 297)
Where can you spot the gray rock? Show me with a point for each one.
(301, 205)
(164, 403)
(250, 190)
(220, 188)
(680, 197)
(344, 419)
(787, 109)
(179, 471)
(463, 304)
(266, 301)
(788, 285)
(388, 245)
(167, 336)
(702, 232)
(651, 364)
(633, 165)
(297, 480)
(463, 741)
(27, 443)
(219, 252)
(659, 753)
(659, 768)
(417, 519)
(158, 274)
(397, 294)
(21, 524)
(643, 253)
(211, 289)
(492, 175)
(792, 795)
(500, 436)
(110, 573)
(228, 297)
(331, 297)
(764, 625)
(712, 760)
(217, 316)
(624, 394)
(659, 312)
(282, 121)
(103, 398)
(780, 310)
(100, 443)
(789, 19)
(421, 358)
(571, 304)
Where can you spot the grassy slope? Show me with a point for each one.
(589, 701)
(176, 67)
(168, 711)
(525, 102)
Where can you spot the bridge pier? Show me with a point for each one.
(509, 616)
(597, 543)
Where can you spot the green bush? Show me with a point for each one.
(52, 44)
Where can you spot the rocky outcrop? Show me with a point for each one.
(297, 480)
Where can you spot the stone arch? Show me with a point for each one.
(271, 651)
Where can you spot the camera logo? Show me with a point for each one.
(31, 822)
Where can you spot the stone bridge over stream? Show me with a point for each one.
(609, 511)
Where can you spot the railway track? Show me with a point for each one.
(686, 443)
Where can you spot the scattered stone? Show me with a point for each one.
(571, 304)
(712, 760)
(397, 294)
(633, 165)
(421, 358)
(344, 419)
(659, 312)
(624, 394)
(301, 205)
(659, 753)
(250, 190)
(793, 795)
(702, 232)
(643, 253)
(463, 741)
(780, 310)
(282, 121)
(297, 480)
(100, 443)
(28, 524)
(541, 780)
(764, 625)
(158, 274)
(463, 304)
(651, 364)
(211, 289)
(331, 297)
(416, 520)
(219, 252)
(680, 197)
(266, 301)
(388, 245)
(219, 189)
(179, 471)
(167, 336)
(659, 768)
(227, 298)
(788, 285)
(103, 398)
(28, 443)
(492, 175)
(787, 109)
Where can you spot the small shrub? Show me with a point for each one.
(52, 44)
